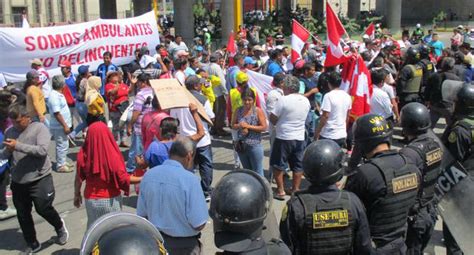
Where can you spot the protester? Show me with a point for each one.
(180, 65)
(104, 68)
(380, 102)
(151, 124)
(141, 105)
(37, 65)
(275, 63)
(35, 101)
(94, 101)
(60, 123)
(81, 107)
(289, 118)
(117, 94)
(100, 164)
(220, 92)
(26, 144)
(173, 183)
(272, 99)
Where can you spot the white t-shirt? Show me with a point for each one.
(389, 90)
(380, 103)
(337, 102)
(180, 76)
(291, 111)
(187, 126)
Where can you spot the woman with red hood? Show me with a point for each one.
(101, 165)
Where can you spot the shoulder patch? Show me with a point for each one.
(452, 137)
(330, 219)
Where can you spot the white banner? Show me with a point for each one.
(263, 84)
(81, 44)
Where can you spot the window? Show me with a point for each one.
(49, 11)
(73, 10)
(61, 11)
(84, 10)
(36, 10)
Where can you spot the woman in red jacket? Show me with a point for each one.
(117, 98)
(101, 165)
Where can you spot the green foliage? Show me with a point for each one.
(440, 17)
(198, 10)
(315, 26)
(350, 25)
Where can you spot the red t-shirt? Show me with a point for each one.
(121, 96)
(97, 188)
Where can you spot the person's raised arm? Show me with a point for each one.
(197, 120)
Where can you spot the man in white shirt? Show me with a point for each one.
(380, 102)
(289, 117)
(272, 99)
(335, 110)
(187, 127)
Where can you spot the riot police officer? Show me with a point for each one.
(411, 77)
(121, 233)
(304, 225)
(386, 183)
(426, 153)
(240, 203)
(459, 141)
(427, 66)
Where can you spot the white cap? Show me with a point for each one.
(460, 27)
(418, 25)
(366, 36)
(205, 29)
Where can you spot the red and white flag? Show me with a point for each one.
(335, 30)
(357, 82)
(231, 44)
(370, 31)
(298, 39)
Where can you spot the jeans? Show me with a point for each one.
(252, 158)
(203, 160)
(81, 109)
(62, 146)
(136, 148)
(117, 131)
(41, 194)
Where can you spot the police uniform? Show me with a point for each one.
(460, 142)
(428, 69)
(427, 154)
(409, 84)
(387, 185)
(325, 220)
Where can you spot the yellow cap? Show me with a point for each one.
(241, 77)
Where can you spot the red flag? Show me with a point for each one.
(357, 82)
(231, 44)
(370, 31)
(335, 30)
(298, 39)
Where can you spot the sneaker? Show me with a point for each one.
(7, 213)
(64, 169)
(63, 234)
(32, 248)
(70, 164)
(72, 143)
(208, 198)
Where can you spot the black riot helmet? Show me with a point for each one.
(322, 162)
(424, 51)
(371, 130)
(120, 233)
(239, 205)
(415, 119)
(465, 100)
(412, 56)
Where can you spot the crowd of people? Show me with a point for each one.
(387, 206)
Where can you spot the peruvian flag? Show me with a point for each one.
(231, 44)
(370, 31)
(298, 39)
(335, 30)
(356, 81)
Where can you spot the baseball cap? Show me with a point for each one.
(299, 64)
(257, 48)
(36, 61)
(32, 74)
(241, 77)
(180, 53)
(199, 48)
(65, 63)
(249, 60)
(83, 69)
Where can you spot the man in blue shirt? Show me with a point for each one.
(274, 64)
(437, 45)
(172, 199)
(104, 68)
(69, 78)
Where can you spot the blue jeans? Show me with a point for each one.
(203, 160)
(252, 158)
(136, 148)
(82, 110)
(62, 146)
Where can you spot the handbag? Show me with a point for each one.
(240, 146)
(122, 107)
(68, 95)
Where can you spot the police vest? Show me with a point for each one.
(328, 227)
(390, 212)
(236, 100)
(468, 161)
(414, 84)
(431, 154)
(428, 69)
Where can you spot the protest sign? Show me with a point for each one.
(81, 44)
(171, 94)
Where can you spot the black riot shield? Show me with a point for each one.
(455, 196)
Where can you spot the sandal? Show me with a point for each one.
(280, 197)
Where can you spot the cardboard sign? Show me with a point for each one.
(171, 94)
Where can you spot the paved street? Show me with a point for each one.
(12, 240)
